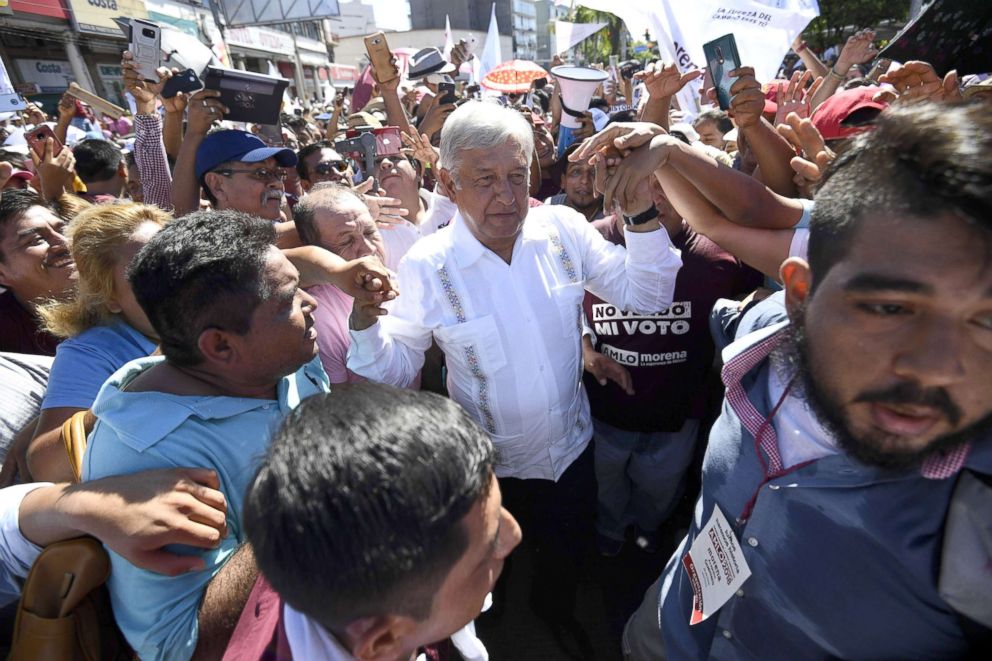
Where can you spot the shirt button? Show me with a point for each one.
(727, 634)
(752, 541)
(740, 593)
(774, 487)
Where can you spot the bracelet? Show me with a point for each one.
(802, 46)
(833, 72)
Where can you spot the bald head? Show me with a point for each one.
(336, 218)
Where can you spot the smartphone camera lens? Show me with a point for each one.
(148, 33)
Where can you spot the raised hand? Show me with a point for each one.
(794, 97)
(663, 79)
(419, 146)
(747, 101)
(55, 172)
(387, 212)
(814, 155)
(204, 109)
(859, 49)
(434, 118)
(619, 136)
(918, 81)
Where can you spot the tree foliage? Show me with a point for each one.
(838, 19)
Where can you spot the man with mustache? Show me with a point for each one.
(238, 171)
(35, 265)
(850, 427)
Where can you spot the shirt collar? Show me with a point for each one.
(468, 250)
(128, 412)
(743, 355)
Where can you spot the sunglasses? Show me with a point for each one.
(264, 175)
(327, 167)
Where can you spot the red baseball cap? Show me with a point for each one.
(829, 117)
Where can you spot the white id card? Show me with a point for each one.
(715, 566)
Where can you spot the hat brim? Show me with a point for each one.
(414, 74)
(22, 174)
(284, 157)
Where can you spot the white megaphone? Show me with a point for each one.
(577, 85)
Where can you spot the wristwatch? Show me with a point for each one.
(641, 218)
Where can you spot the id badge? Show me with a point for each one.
(715, 566)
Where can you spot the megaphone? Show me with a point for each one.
(577, 85)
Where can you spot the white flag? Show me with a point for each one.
(567, 35)
(448, 41)
(763, 29)
(491, 55)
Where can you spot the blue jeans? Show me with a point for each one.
(639, 475)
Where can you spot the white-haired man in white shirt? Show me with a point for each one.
(501, 291)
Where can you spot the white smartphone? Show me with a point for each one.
(146, 46)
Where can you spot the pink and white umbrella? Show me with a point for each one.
(514, 77)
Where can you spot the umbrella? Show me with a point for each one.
(514, 77)
(949, 34)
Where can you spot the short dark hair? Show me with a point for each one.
(718, 117)
(15, 202)
(202, 271)
(301, 167)
(15, 159)
(356, 509)
(96, 160)
(306, 208)
(921, 160)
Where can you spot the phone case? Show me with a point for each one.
(722, 58)
(146, 46)
(186, 81)
(251, 97)
(381, 57)
(36, 139)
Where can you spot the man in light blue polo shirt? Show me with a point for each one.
(239, 353)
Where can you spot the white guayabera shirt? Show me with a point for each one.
(511, 333)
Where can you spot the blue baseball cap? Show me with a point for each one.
(224, 146)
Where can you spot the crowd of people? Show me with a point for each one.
(324, 402)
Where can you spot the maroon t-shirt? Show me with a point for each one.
(20, 331)
(668, 353)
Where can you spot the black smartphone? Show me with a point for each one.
(722, 58)
(184, 81)
(447, 93)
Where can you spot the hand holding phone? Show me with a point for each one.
(447, 93)
(36, 140)
(381, 58)
(146, 46)
(722, 58)
(186, 81)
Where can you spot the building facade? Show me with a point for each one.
(46, 44)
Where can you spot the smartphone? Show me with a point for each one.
(447, 93)
(146, 46)
(540, 83)
(185, 81)
(381, 57)
(722, 58)
(36, 140)
(271, 134)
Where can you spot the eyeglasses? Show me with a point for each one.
(264, 175)
(326, 167)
